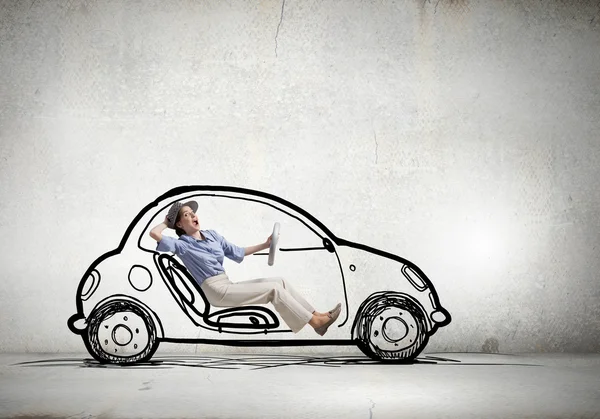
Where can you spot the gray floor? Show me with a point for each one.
(450, 385)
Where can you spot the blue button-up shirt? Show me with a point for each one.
(203, 258)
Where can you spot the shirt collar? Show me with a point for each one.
(191, 239)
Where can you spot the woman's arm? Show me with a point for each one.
(156, 232)
(253, 249)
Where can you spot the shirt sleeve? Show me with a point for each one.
(171, 244)
(233, 252)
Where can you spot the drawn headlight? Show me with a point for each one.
(414, 278)
(91, 284)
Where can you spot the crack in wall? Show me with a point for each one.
(279, 25)
(376, 146)
(371, 409)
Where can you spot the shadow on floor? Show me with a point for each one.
(247, 361)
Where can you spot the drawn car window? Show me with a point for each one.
(243, 222)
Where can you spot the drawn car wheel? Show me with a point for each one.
(390, 328)
(121, 332)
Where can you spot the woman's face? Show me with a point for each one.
(188, 220)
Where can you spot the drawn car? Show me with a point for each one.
(133, 298)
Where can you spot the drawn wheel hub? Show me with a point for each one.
(125, 333)
(394, 329)
(122, 335)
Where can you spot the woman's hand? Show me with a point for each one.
(268, 242)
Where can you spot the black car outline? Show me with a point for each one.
(136, 328)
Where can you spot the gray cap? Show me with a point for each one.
(174, 210)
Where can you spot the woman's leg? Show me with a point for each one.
(297, 296)
(229, 294)
(286, 285)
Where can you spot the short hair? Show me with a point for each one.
(179, 231)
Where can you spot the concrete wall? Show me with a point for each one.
(462, 135)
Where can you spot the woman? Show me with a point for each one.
(202, 252)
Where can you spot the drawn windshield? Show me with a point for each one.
(244, 222)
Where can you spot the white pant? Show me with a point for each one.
(295, 311)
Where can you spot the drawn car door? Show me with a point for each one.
(301, 256)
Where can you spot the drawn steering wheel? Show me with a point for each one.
(274, 241)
